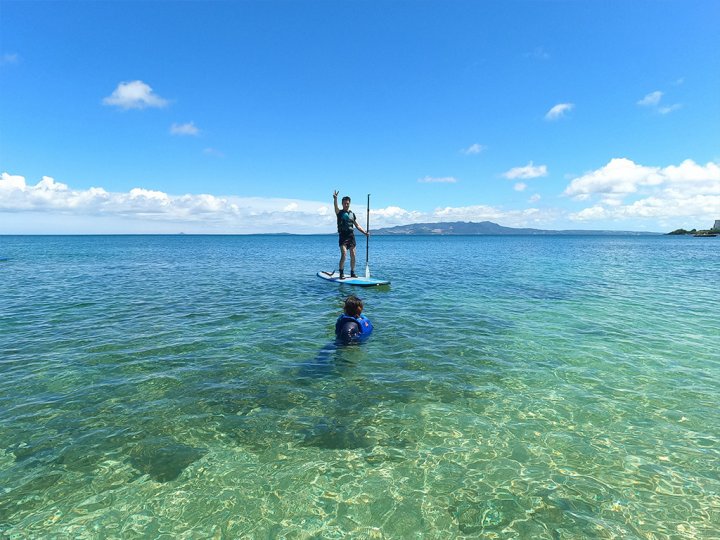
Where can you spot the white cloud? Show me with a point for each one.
(669, 108)
(47, 194)
(434, 180)
(620, 175)
(621, 194)
(689, 172)
(628, 191)
(559, 110)
(592, 213)
(520, 186)
(139, 194)
(146, 210)
(474, 149)
(9, 182)
(526, 172)
(134, 95)
(9, 58)
(612, 199)
(213, 152)
(394, 215)
(160, 211)
(184, 129)
(510, 218)
(651, 100)
(538, 53)
(535, 198)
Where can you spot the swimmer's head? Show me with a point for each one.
(353, 306)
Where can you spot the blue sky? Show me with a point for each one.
(244, 116)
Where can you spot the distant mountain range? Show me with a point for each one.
(482, 227)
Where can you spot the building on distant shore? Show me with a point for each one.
(716, 227)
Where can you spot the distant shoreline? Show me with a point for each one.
(333, 234)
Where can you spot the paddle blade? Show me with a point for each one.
(367, 271)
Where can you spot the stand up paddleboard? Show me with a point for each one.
(365, 281)
(360, 281)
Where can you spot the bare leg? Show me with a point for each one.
(352, 259)
(343, 251)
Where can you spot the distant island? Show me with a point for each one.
(694, 232)
(712, 232)
(483, 227)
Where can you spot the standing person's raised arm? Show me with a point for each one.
(335, 196)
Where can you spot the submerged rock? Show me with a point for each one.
(163, 458)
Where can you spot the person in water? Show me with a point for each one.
(352, 325)
(345, 222)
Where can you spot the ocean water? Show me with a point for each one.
(514, 387)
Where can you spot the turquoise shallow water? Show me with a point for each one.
(515, 387)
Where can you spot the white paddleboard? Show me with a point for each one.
(360, 281)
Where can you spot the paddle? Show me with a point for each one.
(367, 243)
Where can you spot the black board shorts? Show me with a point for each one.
(347, 239)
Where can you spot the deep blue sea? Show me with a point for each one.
(556, 387)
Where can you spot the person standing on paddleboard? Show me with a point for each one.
(345, 222)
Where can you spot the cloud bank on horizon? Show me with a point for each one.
(622, 191)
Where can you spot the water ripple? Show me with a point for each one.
(514, 387)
